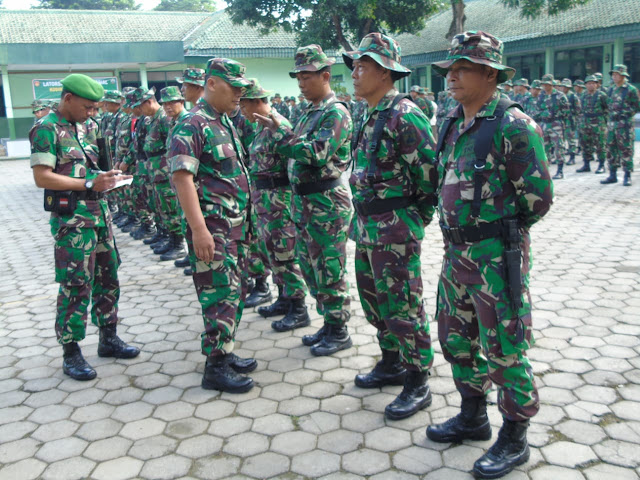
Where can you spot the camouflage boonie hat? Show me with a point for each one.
(521, 82)
(230, 71)
(113, 96)
(127, 90)
(255, 90)
(536, 84)
(170, 94)
(150, 93)
(566, 82)
(39, 105)
(384, 50)
(477, 47)
(415, 88)
(590, 78)
(424, 91)
(579, 83)
(621, 69)
(192, 75)
(134, 99)
(547, 78)
(598, 76)
(508, 83)
(310, 58)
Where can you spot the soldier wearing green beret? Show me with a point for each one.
(64, 159)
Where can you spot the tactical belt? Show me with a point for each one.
(315, 187)
(472, 233)
(382, 205)
(90, 195)
(156, 153)
(593, 115)
(269, 183)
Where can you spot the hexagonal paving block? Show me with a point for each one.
(214, 468)
(174, 411)
(604, 471)
(132, 412)
(118, 469)
(461, 457)
(144, 428)
(228, 427)
(417, 460)
(13, 451)
(299, 406)
(340, 404)
(319, 422)
(273, 424)
(108, 449)
(246, 444)
(153, 447)
(266, 465)
(60, 449)
(321, 390)
(387, 439)
(55, 430)
(582, 432)
(90, 413)
(166, 468)
(568, 454)
(280, 391)
(365, 462)
(316, 463)
(76, 468)
(552, 471)
(99, 429)
(28, 469)
(293, 443)
(200, 446)
(363, 421)
(215, 409)
(340, 441)
(50, 413)
(619, 453)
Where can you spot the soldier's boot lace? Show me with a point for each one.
(218, 375)
(177, 248)
(612, 178)
(388, 371)
(314, 338)
(572, 159)
(510, 450)
(296, 317)
(110, 345)
(627, 179)
(74, 364)
(415, 396)
(242, 365)
(559, 172)
(585, 168)
(182, 262)
(472, 423)
(279, 307)
(336, 338)
(600, 167)
(260, 294)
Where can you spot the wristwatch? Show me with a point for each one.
(88, 185)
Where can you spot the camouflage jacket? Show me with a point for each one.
(104, 123)
(516, 184)
(283, 109)
(172, 126)
(319, 151)
(123, 139)
(139, 135)
(425, 106)
(155, 146)
(206, 144)
(624, 102)
(70, 150)
(405, 167)
(575, 109)
(244, 127)
(553, 107)
(594, 107)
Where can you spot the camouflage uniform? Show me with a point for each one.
(206, 144)
(593, 125)
(572, 120)
(553, 110)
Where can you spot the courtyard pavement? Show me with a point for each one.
(148, 418)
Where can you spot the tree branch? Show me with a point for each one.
(339, 33)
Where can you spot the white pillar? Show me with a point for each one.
(7, 101)
(429, 77)
(548, 60)
(143, 75)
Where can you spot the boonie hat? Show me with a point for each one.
(547, 79)
(621, 69)
(192, 75)
(384, 50)
(255, 90)
(230, 71)
(170, 94)
(310, 58)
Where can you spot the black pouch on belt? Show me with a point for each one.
(62, 202)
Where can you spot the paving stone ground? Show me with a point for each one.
(149, 419)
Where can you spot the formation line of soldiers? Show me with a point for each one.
(251, 184)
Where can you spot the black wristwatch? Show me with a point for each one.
(88, 185)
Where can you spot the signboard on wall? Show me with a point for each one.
(51, 88)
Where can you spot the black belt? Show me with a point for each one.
(315, 187)
(90, 195)
(472, 233)
(156, 153)
(271, 182)
(548, 120)
(382, 205)
(593, 115)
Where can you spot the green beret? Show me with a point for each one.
(83, 86)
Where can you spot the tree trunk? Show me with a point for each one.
(457, 23)
(340, 34)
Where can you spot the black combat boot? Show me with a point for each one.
(163, 245)
(388, 371)
(161, 241)
(627, 179)
(585, 168)
(177, 249)
(218, 375)
(74, 364)
(124, 220)
(415, 396)
(260, 294)
(146, 230)
(296, 317)
(559, 174)
(510, 450)
(134, 224)
(612, 178)
(110, 345)
(156, 238)
(314, 338)
(182, 262)
(335, 338)
(242, 365)
(572, 159)
(188, 271)
(279, 307)
(472, 423)
(115, 217)
(600, 166)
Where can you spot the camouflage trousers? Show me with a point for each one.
(620, 144)
(390, 286)
(257, 257)
(221, 286)
(168, 208)
(571, 134)
(476, 328)
(593, 140)
(553, 141)
(152, 203)
(322, 252)
(86, 264)
(140, 202)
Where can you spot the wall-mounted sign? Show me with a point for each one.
(51, 88)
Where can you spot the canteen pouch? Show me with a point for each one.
(60, 202)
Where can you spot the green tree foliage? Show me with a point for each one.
(535, 8)
(89, 4)
(350, 19)
(186, 6)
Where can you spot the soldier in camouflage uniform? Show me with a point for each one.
(420, 99)
(393, 194)
(484, 307)
(521, 94)
(112, 102)
(552, 112)
(281, 107)
(40, 108)
(623, 103)
(271, 200)
(535, 91)
(64, 158)
(122, 145)
(572, 120)
(508, 89)
(321, 206)
(593, 125)
(207, 162)
(192, 81)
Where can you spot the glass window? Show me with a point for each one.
(527, 66)
(577, 64)
(632, 61)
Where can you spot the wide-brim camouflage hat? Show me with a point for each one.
(536, 84)
(521, 82)
(113, 96)
(229, 70)
(310, 58)
(134, 99)
(384, 50)
(255, 90)
(590, 78)
(171, 94)
(547, 79)
(148, 94)
(621, 69)
(566, 82)
(578, 83)
(192, 75)
(477, 47)
(39, 105)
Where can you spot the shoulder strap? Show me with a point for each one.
(316, 119)
(442, 134)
